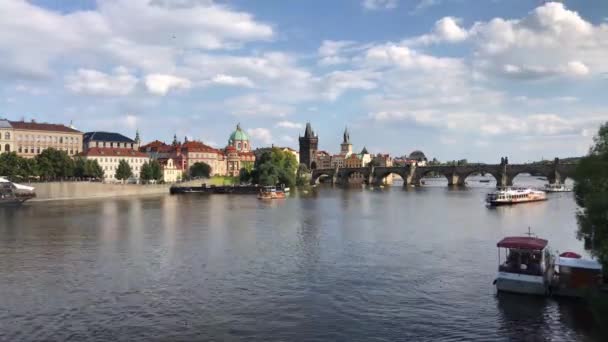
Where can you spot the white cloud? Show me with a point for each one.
(131, 121)
(93, 82)
(379, 4)
(160, 84)
(424, 4)
(136, 33)
(337, 82)
(446, 29)
(234, 81)
(391, 54)
(254, 106)
(331, 51)
(261, 134)
(290, 124)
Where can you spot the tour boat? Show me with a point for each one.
(557, 188)
(13, 193)
(527, 268)
(271, 192)
(515, 196)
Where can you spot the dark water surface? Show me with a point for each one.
(340, 265)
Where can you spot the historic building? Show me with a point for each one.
(109, 139)
(6, 136)
(309, 144)
(28, 139)
(323, 160)
(172, 172)
(109, 157)
(229, 161)
(346, 148)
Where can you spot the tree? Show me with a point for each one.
(200, 169)
(145, 174)
(301, 178)
(244, 175)
(93, 169)
(275, 167)
(123, 172)
(10, 164)
(591, 194)
(53, 164)
(156, 171)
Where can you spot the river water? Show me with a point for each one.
(333, 264)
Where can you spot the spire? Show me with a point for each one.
(308, 133)
(346, 136)
(364, 151)
(137, 138)
(185, 139)
(175, 142)
(238, 126)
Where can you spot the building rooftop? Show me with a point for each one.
(42, 126)
(5, 124)
(113, 152)
(106, 136)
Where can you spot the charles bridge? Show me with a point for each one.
(504, 173)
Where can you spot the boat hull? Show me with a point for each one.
(521, 283)
(500, 203)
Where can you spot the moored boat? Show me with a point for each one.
(13, 193)
(271, 192)
(515, 196)
(557, 188)
(527, 268)
(575, 276)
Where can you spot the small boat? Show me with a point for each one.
(528, 265)
(484, 181)
(508, 196)
(575, 277)
(271, 192)
(13, 193)
(557, 188)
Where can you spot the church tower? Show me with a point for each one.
(346, 148)
(309, 144)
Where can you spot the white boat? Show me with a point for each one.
(527, 268)
(557, 188)
(13, 193)
(576, 277)
(514, 196)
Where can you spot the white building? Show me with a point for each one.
(108, 158)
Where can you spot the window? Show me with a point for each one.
(20, 149)
(61, 140)
(7, 136)
(7, 148)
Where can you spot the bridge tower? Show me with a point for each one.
(309, 144)
(346, 148)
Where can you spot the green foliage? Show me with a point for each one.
(244, 175)
(434, 162)
(591, 194)
(17, 168)
(275, 167)
(87, 169)
(145, 173)
(123, 172)
(301, 179)
(200, 169)
(54, 164)
(156, 170)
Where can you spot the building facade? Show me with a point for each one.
(226, 162)
(29, 139)
(346, 148)
(108, 139)
(309, 144)
(172, 172)
(108, 158)
(6, 137)
(323, 160)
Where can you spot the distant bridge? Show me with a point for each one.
(504, 173)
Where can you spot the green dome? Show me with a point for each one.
(238, 135)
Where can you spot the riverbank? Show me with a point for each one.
(84, 190)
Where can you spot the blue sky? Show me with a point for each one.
(455, 78)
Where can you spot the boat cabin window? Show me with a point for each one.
(522, 261)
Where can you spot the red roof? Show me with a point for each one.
(522, 242)
(113, 152)
(155, 143)
(35, 126)
(197, 146)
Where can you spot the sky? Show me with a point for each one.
(454, 78)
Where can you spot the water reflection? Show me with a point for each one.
(332, 264)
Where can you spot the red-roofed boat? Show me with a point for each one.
(528, 265)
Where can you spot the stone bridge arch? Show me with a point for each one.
(345, 173)
(380, 173)
(318, 173)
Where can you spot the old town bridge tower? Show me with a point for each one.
(308, 147)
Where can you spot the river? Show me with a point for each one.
(333, 264)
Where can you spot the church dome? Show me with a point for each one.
(238, 135)
(417, 155)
